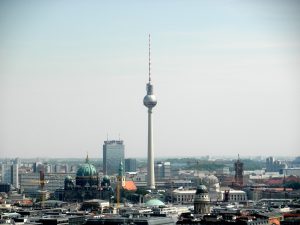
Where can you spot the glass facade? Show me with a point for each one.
(130, 165)
(113, 154)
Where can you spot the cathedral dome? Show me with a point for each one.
(201, 189)
(154, 202)
(87, 175)
(86, 170)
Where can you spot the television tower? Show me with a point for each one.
(150, 102)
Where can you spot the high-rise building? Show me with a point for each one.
(37, 167)
(150, 102)
(162, 170)
(10, 174)
(130, 165)
(273, 165)
(113, 154)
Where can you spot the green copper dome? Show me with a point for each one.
(86, 170)
(154, 202)
(87, 174)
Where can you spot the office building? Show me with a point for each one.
(162, 170)
(130, 165)
(113, 154)
(37, 167)
(273, 165)
(10, 174)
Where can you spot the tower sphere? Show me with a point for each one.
(150, 101)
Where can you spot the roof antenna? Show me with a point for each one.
(149, 58)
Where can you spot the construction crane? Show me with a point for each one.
(118, 192)
(42, 186)
(42, 191)
(120, 183)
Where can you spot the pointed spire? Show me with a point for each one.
(121, 168)
(87, 158)
(149, 58)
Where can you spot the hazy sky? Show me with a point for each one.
(225, 73)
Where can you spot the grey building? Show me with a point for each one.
(273, 165)
(113, 153)
(130, 165)
(162, 170)
(30, 182)
(10, 173)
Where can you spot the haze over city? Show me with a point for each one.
(225, 73)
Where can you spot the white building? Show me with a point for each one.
(184, 196)
(291, 171)
(236, 195)
(187, 196)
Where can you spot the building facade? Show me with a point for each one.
(239, 172)
(183, 196)
(130, 165)
(201, 201)
(86, 185)
(10, 174)
(113, 154)
(273, 165)
(235, 196)
(292, 171)
(30, 182)
(162, 170)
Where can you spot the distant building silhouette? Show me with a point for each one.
(273, 165)
(239, 172)
(130, 165)
(162, 170)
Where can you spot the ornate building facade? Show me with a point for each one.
(86, 184)
(201, 201)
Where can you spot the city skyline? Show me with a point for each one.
(226, 75)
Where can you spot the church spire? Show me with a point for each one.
(121, 170)
(87, 158)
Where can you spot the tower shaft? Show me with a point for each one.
(151, 178)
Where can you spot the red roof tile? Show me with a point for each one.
(130, 185)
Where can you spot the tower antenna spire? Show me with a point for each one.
(149, 58)
(150, 102)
